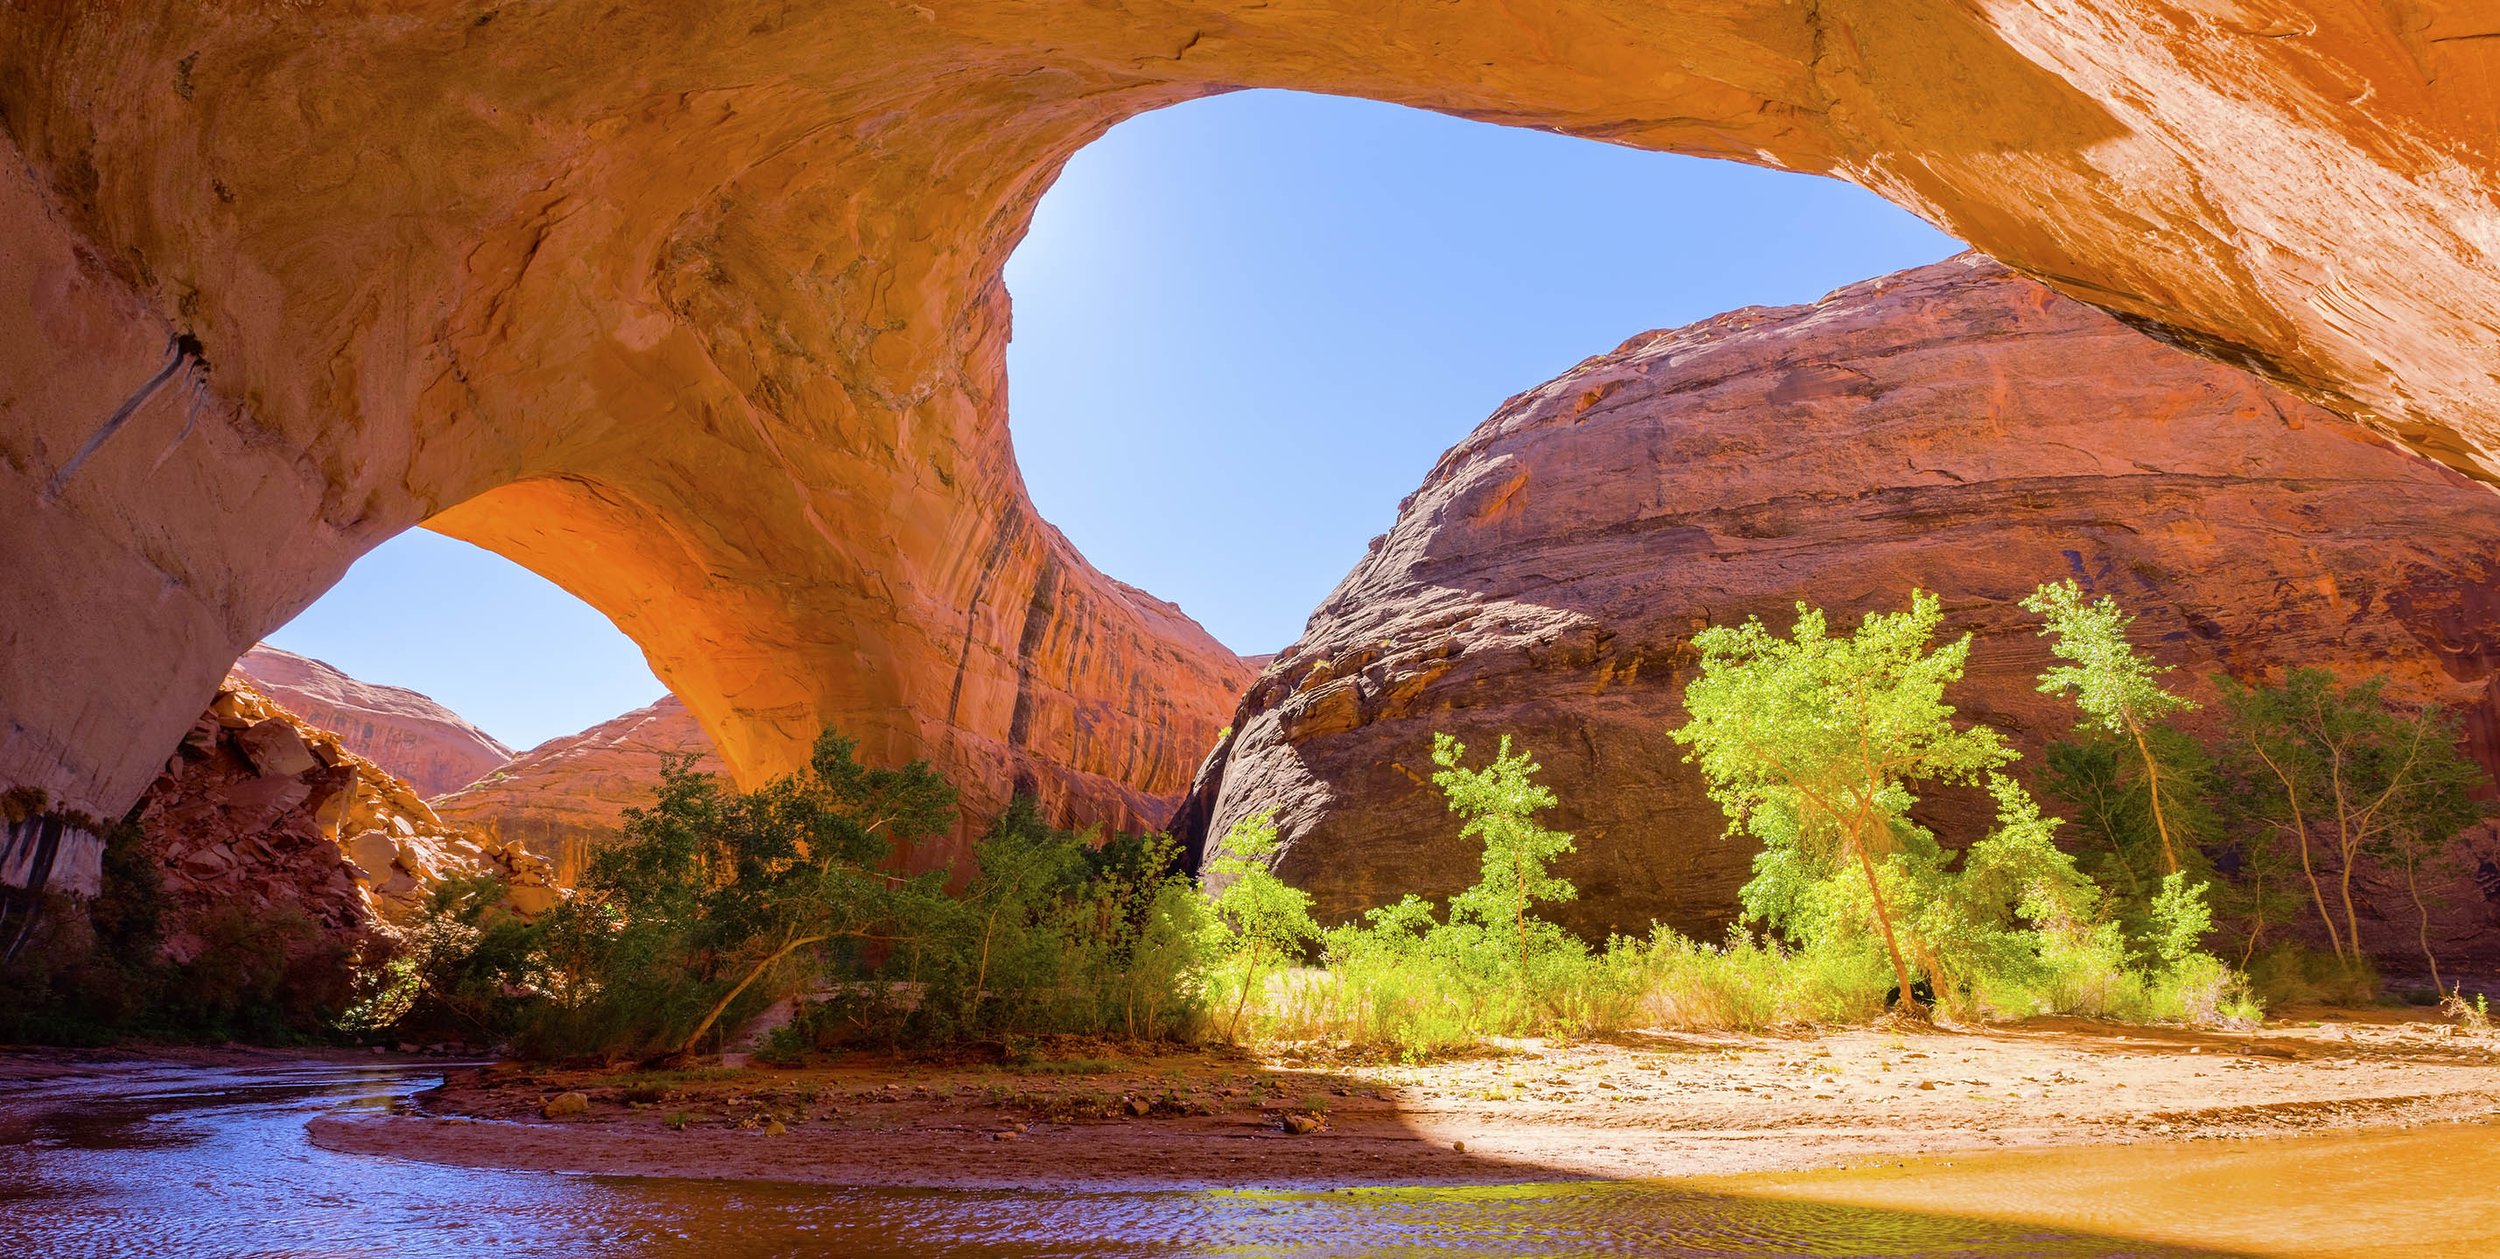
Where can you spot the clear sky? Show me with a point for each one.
(1244, 328)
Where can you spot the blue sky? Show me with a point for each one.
(1245, 327)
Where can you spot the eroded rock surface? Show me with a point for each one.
(567, 796)
(430, 747)
(1954, 427)
(697, 309)
(259, 813)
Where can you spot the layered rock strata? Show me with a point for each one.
(259, 812)
(696, 309)
(428, 746)
(566, 797)
(1956, 428)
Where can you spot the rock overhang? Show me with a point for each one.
(697, 311)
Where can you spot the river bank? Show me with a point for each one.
(1637, 1108)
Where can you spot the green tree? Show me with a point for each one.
(2355, 776)
(1256, 919)
(2181, 921)
(2117, 688)
(709, 891)
(1812, 743)
(798, 862)
(1500, 804)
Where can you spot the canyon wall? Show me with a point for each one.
(259, 813)
(567, 796)
(696, 309)
(1956, 428)
(430, 747)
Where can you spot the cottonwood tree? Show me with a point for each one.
(2354, 776)
(720, 887)
(1256, 920)
(1813, 742)
(2119, 691)
(1500, 804)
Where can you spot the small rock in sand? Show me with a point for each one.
(565, 1106)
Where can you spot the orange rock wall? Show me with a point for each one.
(564, 797)
(430, 747)
(696, 309)
(1955, 428)
(258, 811)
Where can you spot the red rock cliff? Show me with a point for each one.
(429, 746)
(260, 812)
(696, 308)
(1954, 427)
(566, 796)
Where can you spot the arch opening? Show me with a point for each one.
(755, 290)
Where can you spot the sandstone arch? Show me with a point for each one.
(283, 280)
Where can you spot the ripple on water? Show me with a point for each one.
(196, 1161)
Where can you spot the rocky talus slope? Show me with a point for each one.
(567, 796)
(259, 811)
(697, 309)
(1954, 427)
(430, 747)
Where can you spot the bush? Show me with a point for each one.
(1754, 985)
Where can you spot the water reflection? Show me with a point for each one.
(166, 1160)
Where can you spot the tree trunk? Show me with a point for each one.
(2422, 930)
(2152, 784)
(1883, 920)
(721, 1006)
(1519, 919)
(2352, 924)
(1248, 977)
(2300, 830)
(981, 973)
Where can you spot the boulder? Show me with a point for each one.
(1955, 427)
(373, 853)
(276, 750)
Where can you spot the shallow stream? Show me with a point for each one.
(165, 1159)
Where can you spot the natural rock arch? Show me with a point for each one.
(708, 295)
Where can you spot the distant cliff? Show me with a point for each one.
(433, 748)
(566, 796)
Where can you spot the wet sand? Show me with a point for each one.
(1637, 1108)
(2421, 1191)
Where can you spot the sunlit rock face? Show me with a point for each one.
(696, 309)
(567, 796)
(1954, 428)
(260, 814)
(429, 746)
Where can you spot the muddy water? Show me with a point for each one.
(180, 1160)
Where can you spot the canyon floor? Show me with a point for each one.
(1633, 1107)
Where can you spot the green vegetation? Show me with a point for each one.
(1500, 805)
(2118, 690)
(2340, 777)
(94, 972)
(1812, 744)
(1256, 922)
(1815, 745)
(715, 904)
